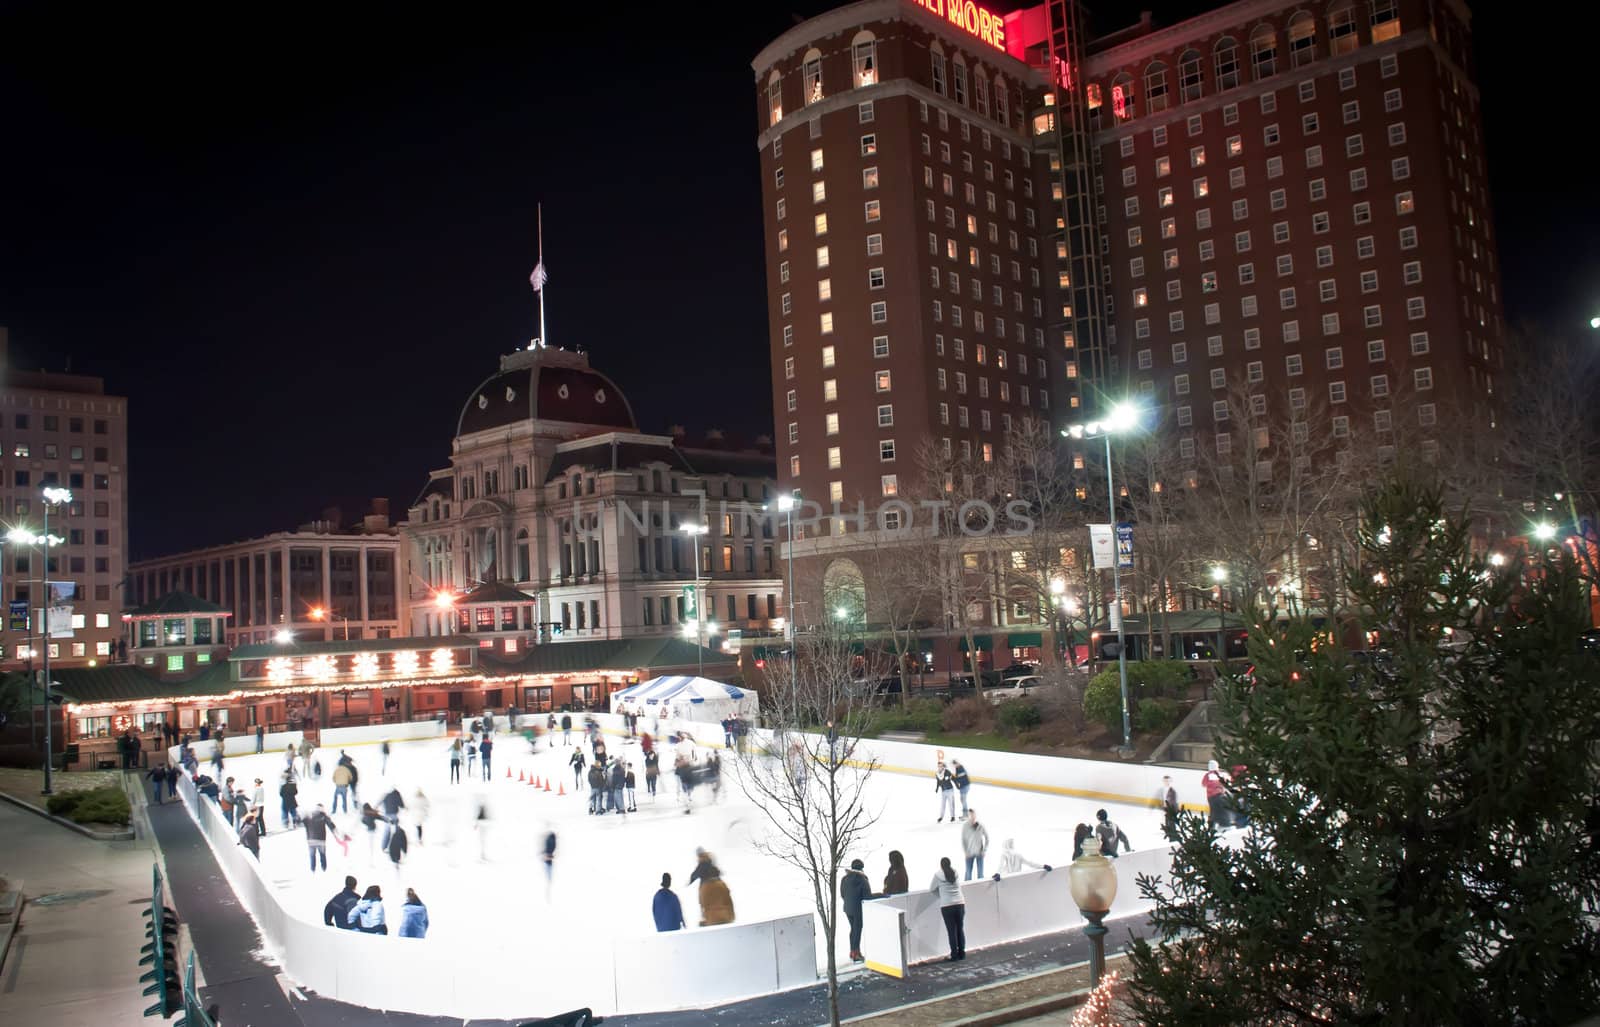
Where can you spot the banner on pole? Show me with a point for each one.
(1100, 543)
(17, 615)
(1125, 546)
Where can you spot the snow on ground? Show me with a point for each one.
(476, 876)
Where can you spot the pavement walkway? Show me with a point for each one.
(75, 959)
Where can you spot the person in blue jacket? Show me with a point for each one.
(666, 908)
(413, 917)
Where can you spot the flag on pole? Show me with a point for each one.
(538, 278)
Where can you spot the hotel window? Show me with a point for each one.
(1416, 308)
(1180, 384)
(1309, 125)
(1169, 228)
(1318, 190)
(1253, 372)
(788, 335)
(1219, 410)
(1163, 197)
(794, 432)
(790, 401)
(869, 178)
(874, 244)
(1361, 213)
(783, 240)
(1270, 135)
(1219, 378)
(1336, 394)
(1380, 386)
(1365, 248)
(827, 358)
(880, 312)
(1327, 290)
(1383, 420)
(1350, 112)
(1241, 210)
(1291, 331)
(881, 380)
(869, 145)
(1320, 222)
(820, 224)
(875, 278)
(1330, 324)
(819, 192)
(811, 72)
(1324, 256)
(1427, 413)
(816, 159)
(1404, 204)
(1334, 356)
(1197, 156)
(1247, 306)
(1375, 350)
(1391, 100)
(825, 289)
(1408, 238)
(1180, 353)
(1372, 316)
(1358, 179)
(830, 390)
(1412, 272)
(783, 208)
(886, 415)
(1397, 133)
(1353, 146)
(1247, 273)
(788, 366)
(1252, 338)
(826, 323)
(880, 346)
(783, 272)
(831, 424)
(786, 303)
(1285, 264)
(1175, 321)
(1274, 167)
(1400, 168)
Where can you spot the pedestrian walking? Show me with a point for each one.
(306, 749)
(261, 738)
(665, 907)
(397, 846)
(627, 783)
(1012, 861)
(962, 782)
(1215, 782)
(945, 784)
(895, 881)
(577, 762)
(716, 903)
(566, 729)
(367, 915)
(383, 764)
(172, 781)
(974, 843)
(549, 858)
(952, 907)
(337, 912)
(289, 801)
(853, 891)
(318, 825)
(413, 917)
(158, 779)
(486, 753)
(1169, 805)
(250, 834)
(341, 787)
(652, 770)
(455, 762)
(1110, 835)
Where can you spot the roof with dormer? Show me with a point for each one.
(177, 604)
(545, 385)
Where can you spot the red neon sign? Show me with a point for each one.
(1119, 103)
(969, 18)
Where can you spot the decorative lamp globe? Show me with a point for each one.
(1092, 879)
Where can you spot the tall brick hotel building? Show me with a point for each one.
(974, 216)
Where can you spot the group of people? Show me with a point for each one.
(1224, 803)
(716, 902)
(1112, 839)
(351, 910)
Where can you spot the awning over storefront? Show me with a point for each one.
(1022, 639)
(985, 643)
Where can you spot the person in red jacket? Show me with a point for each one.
(1215, 782)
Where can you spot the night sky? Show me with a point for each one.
(296, 243)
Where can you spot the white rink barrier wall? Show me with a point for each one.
(540, 974)
(338, 737)
(238, 745)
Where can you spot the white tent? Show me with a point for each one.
(688, 698)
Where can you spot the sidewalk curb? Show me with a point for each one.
(1025, 1010)
(125, 835)
(12, 926)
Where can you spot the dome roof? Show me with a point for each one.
(545, 385)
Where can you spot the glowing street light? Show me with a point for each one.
(1497, 559)
(1544, 531)
(284, 636)
(694, 531)
(322, 613)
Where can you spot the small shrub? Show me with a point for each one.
(968, 715)
(62, 804)
(106, 805)
(921, 715)
(1156, 716)
(1102, 700)
(1018, 716)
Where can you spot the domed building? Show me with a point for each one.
(558, 520)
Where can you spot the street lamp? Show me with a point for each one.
(694, 531)
(1544, 531)
(786, 505)
(1092, 880)
(283, 636)
(54, 496)
(319, 613)
(1219, 574)
(1497, 559)
(1123, 417)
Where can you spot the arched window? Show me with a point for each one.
(864, 58)
(1122, 104)
(980, 91)
(1227, 62)
(1342, 28)
(1155, 88)
(774, 98)
(1002, 100)
(1263, 52)
(811, 69)
(1385, 20)
(958, 79)
(524, 568)
(1302, 39)
(1190, 85)
(936, 55)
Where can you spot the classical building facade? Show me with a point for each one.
(62, 430)
(328, 579)
(558, 520)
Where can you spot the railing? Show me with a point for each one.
(160, 954)
(194, 1014)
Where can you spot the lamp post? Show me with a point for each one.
(694, 531)
(53, 496)
(1092, 880)
(1122, 418)
(1219, 574)
(786, 504)
(321, 613)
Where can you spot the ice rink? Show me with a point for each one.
(477, 876)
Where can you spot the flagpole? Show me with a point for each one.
(543, 340)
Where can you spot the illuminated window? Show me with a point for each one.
(811, 74)
(830, 390)
(831, 422)
(834, 460)
(820, 224)
(864, 59)
(1385, 21)
(1122, 100)
(774, 98)
(1263, 52)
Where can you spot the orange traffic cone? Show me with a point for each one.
(547, 784)
(562, 788)
(508, 772)
(536, 782)
(520, 778)
(532, 783)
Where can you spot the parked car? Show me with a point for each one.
(989, 678)
(1019, 670)
(1014, 688)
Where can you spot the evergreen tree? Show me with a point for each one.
(1423, 843)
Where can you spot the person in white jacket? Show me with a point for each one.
(952, 907)
(974, 842)
(1012, 861)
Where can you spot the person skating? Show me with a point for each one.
(413, 917)
(665, 907)
(455, 762)
(577, 762)
(963, 783)
(289, 799)
(597, 790)
(1215, 783)
(945, 784)
(1110, 835)
(627, 783)
(1169, 804)
(549, 859)
(853, 891)
(952, 907)
(391, 804)
(598, 746)
(652, 770)
(895, 881)
(419, 808)
(342, 777)
(685, 774)
(486, 754)
(337, 912)
(317, 825)
(383, 757)
(216, 759)
(367, 915)
(1012, 861)
(716, 902)
(974, 843)
(288, 759)
(396, 846)
(618, 783)
(566, 729)
(306, 749)
(472, 755)
(250, 834)
(369, 820)
(261, 738)
(258, 805)
(355, 774)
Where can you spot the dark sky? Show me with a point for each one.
(296, 242)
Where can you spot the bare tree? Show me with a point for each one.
(810, 780)
(954, 561)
